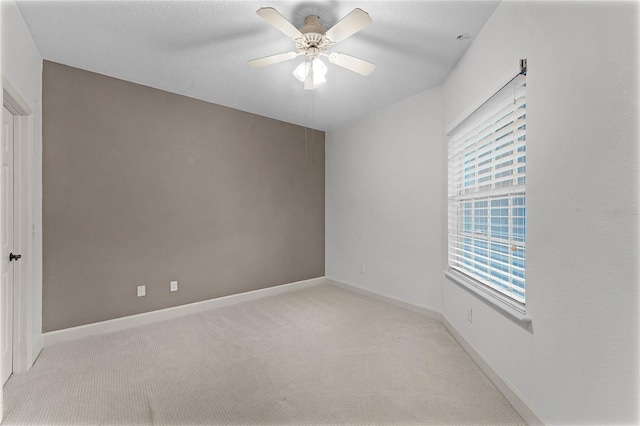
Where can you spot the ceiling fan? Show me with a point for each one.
(313, 40)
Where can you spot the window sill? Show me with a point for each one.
(489, 296)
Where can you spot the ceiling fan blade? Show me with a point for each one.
(274, 17)
(351, 63)
(273, 59)
(349, 25)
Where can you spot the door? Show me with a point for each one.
(6, 234)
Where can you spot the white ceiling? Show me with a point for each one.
(200, 49)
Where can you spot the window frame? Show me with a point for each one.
(506, 300)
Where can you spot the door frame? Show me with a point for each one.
(23, 344)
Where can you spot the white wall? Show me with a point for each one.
(384, 201)
(579, 362)
(22, 66)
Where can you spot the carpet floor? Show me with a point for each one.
(321, 356)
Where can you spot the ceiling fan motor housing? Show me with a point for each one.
(312, 24)
(313, 35)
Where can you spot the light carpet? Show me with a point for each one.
(321, 356)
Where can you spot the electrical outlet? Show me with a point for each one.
(142, 290)
(469, 314)
(174, 286)
(362, 269)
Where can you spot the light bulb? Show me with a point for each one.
(319, 71)
(300, 71)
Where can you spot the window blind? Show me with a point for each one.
(486, 192)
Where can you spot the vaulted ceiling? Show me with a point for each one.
(200, 49)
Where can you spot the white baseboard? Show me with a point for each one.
(109, 326)
(38, 345)
(387, 299)
(515, 398)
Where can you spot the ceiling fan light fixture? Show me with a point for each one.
(319, 71)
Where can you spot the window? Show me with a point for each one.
(487, 198)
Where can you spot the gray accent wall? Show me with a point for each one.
(143, 187)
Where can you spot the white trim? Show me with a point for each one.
(507, 77)
(515, 398)
(23, 345)
(386, 299)
(493, 298)
(109, 326)
(38, 345)
(15, 103)
(1, 253)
